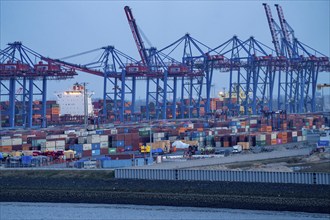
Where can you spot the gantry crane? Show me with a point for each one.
(119, 72)
(298, 77)
(18, 67)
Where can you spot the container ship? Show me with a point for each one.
(71, 102)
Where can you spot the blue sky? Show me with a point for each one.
(61, 28)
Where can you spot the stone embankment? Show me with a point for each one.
(101, 187)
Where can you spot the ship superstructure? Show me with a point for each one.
(72, 101)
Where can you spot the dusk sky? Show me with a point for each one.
(61, 28)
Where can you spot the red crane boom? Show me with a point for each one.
(283, 26)
(272, 29)
(73, 66)
(136, 35)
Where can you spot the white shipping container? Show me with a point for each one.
(17, 135)
(300, 138)
(16, 141)
(190, 125)
(63, 136)
(87, 146)
(50, 144)
(261, 137)
(69, 131)
(60, 143)
(304, 138)
(54, 136)
(157, 139)
(5, 142)
(113, 131)
(294, 134)
(253, 121)
(82, 140)
(159, 135)
(104, 144)
(30, 135)
(91, 132)
(83, 133)
(5, 137)
(218, 144)
(273, 135)
(89, 164)
(60, 148)
(104, 138)
(43, 149)
(91, 139)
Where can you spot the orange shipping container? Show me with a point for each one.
(26, 147)
(273, 142)
(7, 148)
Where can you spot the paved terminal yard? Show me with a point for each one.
(233, 158)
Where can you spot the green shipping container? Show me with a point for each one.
(112, 150)
(144, 133)
(261, 143)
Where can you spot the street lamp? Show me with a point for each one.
(85, 106)
(150, 139)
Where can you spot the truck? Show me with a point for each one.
(237, 149)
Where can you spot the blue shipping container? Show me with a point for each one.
(323, 143)
(126, 130)
(96, 152)
(104, 158)
(120, 144)
(26, 160)
(99, 132)
(149, 160)
(128, 148)
(139, 162)
(96, 146)
(232, 123)
(157, 151)
(116, 163)
(195, 135)
(76, 147)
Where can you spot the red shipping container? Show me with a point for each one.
(120, 149)
(104, 151)
(17, 147)
(87, 153)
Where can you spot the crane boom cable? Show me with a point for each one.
(79, 54)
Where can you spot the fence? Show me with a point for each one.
(224, 175)
(39, 161)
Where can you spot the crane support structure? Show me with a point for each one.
(18, 69)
